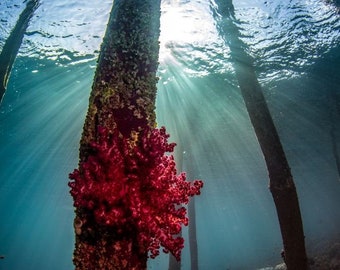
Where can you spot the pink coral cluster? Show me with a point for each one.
(134, 183)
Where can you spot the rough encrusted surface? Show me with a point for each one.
(122, 99)
(124, 89)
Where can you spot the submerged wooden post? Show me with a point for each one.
(126, 191)
(281, 182)
(124, 89)
(123, 98)
(13, 43)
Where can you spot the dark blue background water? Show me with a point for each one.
(295, 45)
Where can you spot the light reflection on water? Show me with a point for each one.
(285, 37)
(9, 13)
(199, 103)
(61, 31)
(190, 38)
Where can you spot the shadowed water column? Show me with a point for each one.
(126, 191)
(281, 182)
(13, 43)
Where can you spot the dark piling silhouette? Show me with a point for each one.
(13, 43)
(281, 182)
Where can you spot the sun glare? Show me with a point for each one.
(175, 27)
(185, 23)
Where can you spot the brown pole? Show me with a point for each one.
(122, 99)
(281, 182)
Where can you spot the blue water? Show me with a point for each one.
(295, 46)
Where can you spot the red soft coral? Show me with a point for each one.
(135, 184)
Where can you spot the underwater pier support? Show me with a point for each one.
(127, 194)
(122, 99)
(281, 182)
(13, 43)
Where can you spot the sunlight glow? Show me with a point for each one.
(176, 27)
(189, 39)
(186, 23)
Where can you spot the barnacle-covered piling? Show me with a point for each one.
(128, 196)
